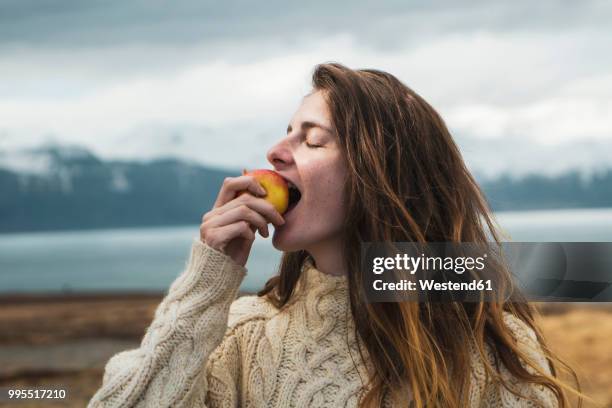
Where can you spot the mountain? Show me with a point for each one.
(60, 187)
(568, 190)
(70, 188)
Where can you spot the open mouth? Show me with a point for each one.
(294, 195)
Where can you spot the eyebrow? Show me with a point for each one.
(308, 125)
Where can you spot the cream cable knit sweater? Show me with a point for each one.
(205, 348)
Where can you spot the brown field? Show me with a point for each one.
(582, 337)
(64, 342)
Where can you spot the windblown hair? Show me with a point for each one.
(408, 182)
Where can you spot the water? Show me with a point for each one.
(580, 225)
(151, 258)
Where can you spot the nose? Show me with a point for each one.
(280, 155)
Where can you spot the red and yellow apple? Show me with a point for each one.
(275, 186)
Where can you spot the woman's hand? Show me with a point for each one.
(230, 225)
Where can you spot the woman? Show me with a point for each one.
(373, 162)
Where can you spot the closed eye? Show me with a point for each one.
(313, 145)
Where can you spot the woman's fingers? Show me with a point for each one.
(219, 237)
(230, 225)
(241, 213)
(232, 185)
(258, 205)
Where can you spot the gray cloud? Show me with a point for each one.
(68, 24)
(162, 72)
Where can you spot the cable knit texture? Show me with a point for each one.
(205, 348)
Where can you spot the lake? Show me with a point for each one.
(134, 259)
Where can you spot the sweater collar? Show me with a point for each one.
(325, 298)
(324, 306)
(311, 276)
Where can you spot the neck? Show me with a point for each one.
(328, 257)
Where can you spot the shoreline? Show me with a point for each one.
(25, 298)
(7, 299)
(81, 296)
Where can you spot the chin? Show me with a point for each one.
(284, 243)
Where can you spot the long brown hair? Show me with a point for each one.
(408, 182)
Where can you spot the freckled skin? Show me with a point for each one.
(315, 223)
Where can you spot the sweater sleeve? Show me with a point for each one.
(168, 369)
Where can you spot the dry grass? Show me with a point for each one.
(581, 335)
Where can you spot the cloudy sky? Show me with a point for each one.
(524, 86)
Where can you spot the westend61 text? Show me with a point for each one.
(429, 285)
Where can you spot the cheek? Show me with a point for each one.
(325, 194)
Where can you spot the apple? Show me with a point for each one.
(275, 186)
